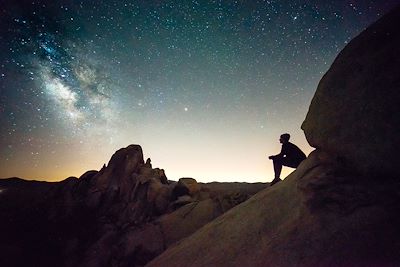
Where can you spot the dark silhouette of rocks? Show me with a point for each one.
(341, 207)
(123, 215)
(355, 111)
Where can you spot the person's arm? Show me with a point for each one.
(282, 154)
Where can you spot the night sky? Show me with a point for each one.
(205, 87)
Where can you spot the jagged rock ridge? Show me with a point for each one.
(123, 215)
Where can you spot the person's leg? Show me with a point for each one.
(277, 167)
(291, 162)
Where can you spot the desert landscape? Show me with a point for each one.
(339, 208)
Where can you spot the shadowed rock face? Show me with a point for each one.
(123, 215)
(355, 110)
(323, 214)
(320, 215)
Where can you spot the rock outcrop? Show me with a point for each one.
(318, 216)
(123, 215)
(355, 110)
(341, 207)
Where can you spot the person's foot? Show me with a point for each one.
(275, 181)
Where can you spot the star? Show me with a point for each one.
(84, 80)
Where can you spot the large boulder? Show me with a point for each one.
(320, 215)
(355, 111)
(186, 186)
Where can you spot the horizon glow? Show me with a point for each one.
(206, 88)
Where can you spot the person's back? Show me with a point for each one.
(293, 154)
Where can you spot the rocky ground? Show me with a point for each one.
(123, 215)
(340, 208)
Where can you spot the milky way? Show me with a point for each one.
(206, 87)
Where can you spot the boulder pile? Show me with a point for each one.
(123, 215)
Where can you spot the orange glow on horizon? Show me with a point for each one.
(228, 162)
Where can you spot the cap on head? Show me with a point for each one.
(285, 137)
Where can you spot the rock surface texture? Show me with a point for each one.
(123, 215)
(318, 216)
(355, 110)
(341, 207)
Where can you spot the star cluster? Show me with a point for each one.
(206, 87)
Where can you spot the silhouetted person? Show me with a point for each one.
(290, 156)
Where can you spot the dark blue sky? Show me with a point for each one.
(206, 87)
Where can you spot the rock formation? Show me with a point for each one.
(123, 215)
(341, 207)
(355, 111)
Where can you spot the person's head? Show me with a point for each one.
(284, 138)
